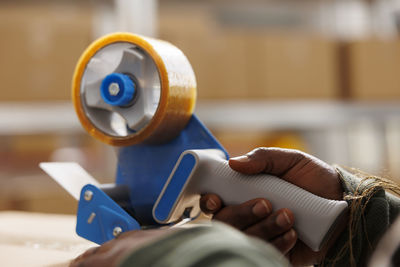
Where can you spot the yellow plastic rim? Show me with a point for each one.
(177, 98)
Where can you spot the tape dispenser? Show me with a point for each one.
(138, 94)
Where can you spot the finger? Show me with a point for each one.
(99, 250)
(243, 215)
(285, 242)
(275, 161)
(108, 257)
(86, 254)
(296, 167)
(273, 226)
(210, 203)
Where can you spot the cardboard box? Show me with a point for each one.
(234, 62)
(220, 67)
(288, 66)
(40, 45)
(217, 57)
(374, 69)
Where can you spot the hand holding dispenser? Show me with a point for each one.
(207, 171)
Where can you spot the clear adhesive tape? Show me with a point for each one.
(177, 96)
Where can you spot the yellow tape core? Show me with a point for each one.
(178, 91)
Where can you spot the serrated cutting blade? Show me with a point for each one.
(70, 175)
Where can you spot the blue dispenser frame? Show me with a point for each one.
(144, 168)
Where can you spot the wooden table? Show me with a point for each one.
(36, 239)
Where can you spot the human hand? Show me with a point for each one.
(295, 167)
(112, 252)
(256, 218)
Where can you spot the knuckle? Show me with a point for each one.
(299, 155)
(281, 245)
(266, 229)
(285, 242)
(275, 224)
(238, 216)
(227, 215)
(258, 152)
(240, 213)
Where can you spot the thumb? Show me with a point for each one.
(294, 166)
(271, 160)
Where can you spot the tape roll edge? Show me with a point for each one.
(144, 135)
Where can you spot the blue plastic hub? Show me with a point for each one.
(117, 89)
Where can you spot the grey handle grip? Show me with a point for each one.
(315, 216)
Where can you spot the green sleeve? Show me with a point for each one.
(216, 245)
(371, 217)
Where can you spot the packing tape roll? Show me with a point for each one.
(177, 91)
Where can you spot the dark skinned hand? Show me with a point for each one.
(295, 167)
(112, 252)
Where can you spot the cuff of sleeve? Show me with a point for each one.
(368, 219)
(355, 188)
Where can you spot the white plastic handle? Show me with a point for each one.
(315, 216)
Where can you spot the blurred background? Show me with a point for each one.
(322, 76)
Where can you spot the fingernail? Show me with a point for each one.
(289, 235)
(241, 158)
(283, 219)
(211, 205)
(261, 209)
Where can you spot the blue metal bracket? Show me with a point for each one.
(145, 168)
(99, 218)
